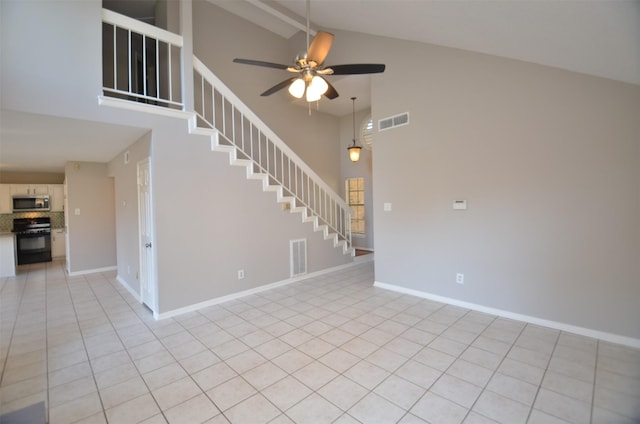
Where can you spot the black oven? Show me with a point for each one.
(33, 240)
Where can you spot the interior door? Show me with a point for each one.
(145, 224)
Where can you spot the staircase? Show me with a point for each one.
(230, 125)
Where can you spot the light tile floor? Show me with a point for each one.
(332, 349)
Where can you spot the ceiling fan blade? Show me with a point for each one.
(355, 69)
(319, 48)
(260, 63)
(278, 86)
(331, 92)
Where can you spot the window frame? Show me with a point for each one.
(358, 225)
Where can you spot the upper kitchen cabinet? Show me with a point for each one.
(56, 192)
(29, 189)
(5, 198)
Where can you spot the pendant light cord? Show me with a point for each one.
(353, 99)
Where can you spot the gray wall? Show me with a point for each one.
(50, 62)
(549, 163)
(91, 234)
(211, 222)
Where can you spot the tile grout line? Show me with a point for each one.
(126, 349)
(364, 306)
(46, 343)
(314, 360)
(13, 329)
(555, 345)
(595, 377)
(75, 312)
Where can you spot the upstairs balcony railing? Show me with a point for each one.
(140, 62)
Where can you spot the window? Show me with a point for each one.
(366, 131)
(355, 199)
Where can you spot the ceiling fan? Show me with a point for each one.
(310, 81)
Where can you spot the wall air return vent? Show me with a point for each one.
(298, 249)
(393, 121)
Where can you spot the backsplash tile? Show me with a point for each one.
(6, 219)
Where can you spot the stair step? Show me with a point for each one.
(287, 199)
(241, 162)
(257, 176)
(272, 187)
(223, 148)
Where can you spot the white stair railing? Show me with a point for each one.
(218, 108)
(140, 62)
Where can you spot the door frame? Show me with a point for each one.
(152, 304)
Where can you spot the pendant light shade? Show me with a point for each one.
(354, 153)
(296, 89)
(354, 149)
(317, 87)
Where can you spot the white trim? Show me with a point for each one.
(143, 107)
(609, 337)
(124, 284)
(92, 271)
(123, 21)
(233, 296)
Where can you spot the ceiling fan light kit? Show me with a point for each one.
(310, 69)
(297, 87)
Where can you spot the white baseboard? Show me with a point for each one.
(124, 284)
(92, 271)
(249, 292)
(609, 337)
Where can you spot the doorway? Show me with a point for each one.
(145, 227)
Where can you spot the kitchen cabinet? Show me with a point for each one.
(5, 198)
(29, 189)
(7, 255)
(58, 244)
(56, 191)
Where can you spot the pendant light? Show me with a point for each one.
(354, 149)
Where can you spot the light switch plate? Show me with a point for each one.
(459, 204)
(387, 207)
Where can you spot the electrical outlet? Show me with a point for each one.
(240, 274)
(460, 278)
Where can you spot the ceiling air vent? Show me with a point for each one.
(393, 121)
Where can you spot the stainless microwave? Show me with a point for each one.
(31, 203)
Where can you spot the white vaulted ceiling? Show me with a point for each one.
(594, 37)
